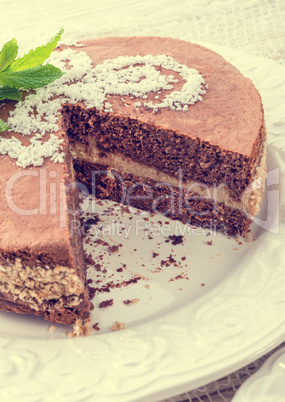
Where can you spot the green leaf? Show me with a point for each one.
(36, 56)
(3, 126)
(8, 54)
(31, 78)
(10, 93)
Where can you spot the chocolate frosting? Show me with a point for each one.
(230, 115)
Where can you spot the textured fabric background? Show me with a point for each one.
(254, 26)
(224, 389)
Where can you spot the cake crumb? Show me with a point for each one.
(113, 249)
(176, 239)
(118, 326)
(147, 286)
(96, 326)
(133, 301)
(81, 327)
(52, 328)
(106, 303)
(247, 237)
(92, 221)
(170, 260)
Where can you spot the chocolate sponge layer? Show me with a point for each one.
(151, 196)
(166, 150)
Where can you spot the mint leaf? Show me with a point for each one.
(37, 56)
(31, 78)
(8, 54)
(3, 126)
(10, 93)
(26, 72)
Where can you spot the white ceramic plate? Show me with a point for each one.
(225, 311)
(267, 384)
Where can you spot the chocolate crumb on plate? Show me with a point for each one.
(106, 303)
(176, 239)
(92, 221)
(96, 326)
(113, 249)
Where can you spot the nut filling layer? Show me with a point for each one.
(37, 285)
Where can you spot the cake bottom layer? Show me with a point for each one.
(60, 316)
(157, 197)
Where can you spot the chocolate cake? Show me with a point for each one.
(160, 124)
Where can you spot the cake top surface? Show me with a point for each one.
(158, 81)
(230, 114)
(221, 108)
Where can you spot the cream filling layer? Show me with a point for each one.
(249, 202)
(34, 285)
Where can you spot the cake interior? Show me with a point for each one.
(121, 174)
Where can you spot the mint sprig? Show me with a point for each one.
(10, 93)
(8, 54)
(32, 78)
(35, 57)
(3, 126)
(27, 72)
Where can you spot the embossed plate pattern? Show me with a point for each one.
(174, 339)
